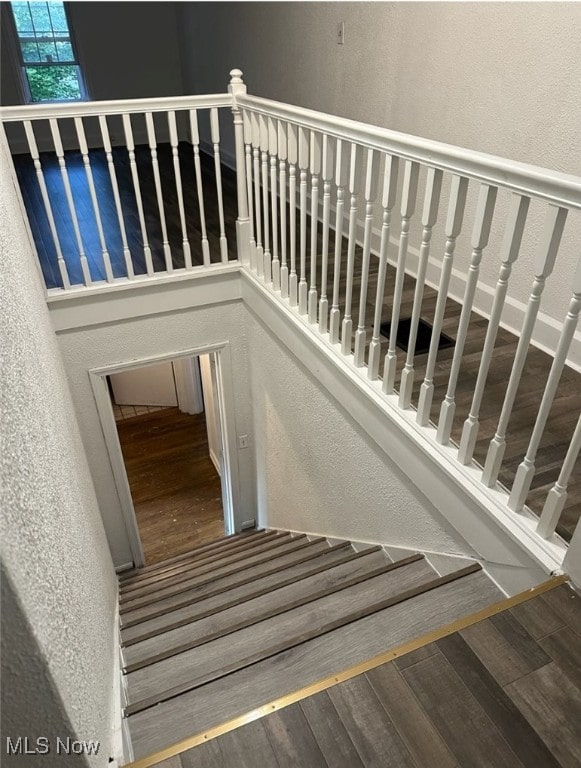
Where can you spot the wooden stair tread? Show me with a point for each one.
(136, 573)
(263, 555)
(167, 570)
(304, 562)
(225, 582)
(263, 681)
(280, 632)
(361, 566)
(197, 568)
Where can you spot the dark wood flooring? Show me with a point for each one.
(567, 403)
(174, 485)
(503, 693)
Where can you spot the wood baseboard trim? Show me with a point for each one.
(284, 701)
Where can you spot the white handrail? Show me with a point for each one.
(117, 107)
(561, 188)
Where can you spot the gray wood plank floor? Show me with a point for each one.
(445, 705)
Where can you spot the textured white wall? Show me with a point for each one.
(110, 344)
(318, 472)
(496, 77)
(59, 584)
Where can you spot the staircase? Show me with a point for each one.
(232, 625)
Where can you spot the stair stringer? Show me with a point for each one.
(506, 543)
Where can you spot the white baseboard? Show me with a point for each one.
(215, 461)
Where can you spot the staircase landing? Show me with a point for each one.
(211, 635)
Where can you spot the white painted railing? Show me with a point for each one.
(301, 174)
(115, 138)
(371, 175)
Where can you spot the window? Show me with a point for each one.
(47, 55)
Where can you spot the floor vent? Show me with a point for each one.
(424, 336)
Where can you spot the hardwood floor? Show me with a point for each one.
(174, 485)
(503, 693)
(567, 403)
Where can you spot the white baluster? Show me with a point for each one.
(341, 178)
(46, 201)
(456, 206)
(526, 469)
(195, 133)
(408, 204)
(544, 266)
(327, 174)
(515, 224)
(247, 122)
(257, 201)
(237, 88)
(292, 194)
(371, 181)
(262, 121)
(174, 141)
(117, 199)
(58, 145)
(480, 235)
(390, 174)
(303, 165)
(272, 151)
(572, 559)
(282, 155)
(354, 184)
(315, 167)
(80, 130)
(215, 137)
(158, 190)
(137, 189)
(429, 217)
(555, 501)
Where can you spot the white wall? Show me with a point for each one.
(318, 471)
(496, 77)
(59, 590)
(134, 339)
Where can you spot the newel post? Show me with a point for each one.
(236, 88)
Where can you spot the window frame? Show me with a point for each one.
(22, 65)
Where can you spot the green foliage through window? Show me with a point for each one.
(48, 57)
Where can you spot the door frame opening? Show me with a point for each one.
(230, 475)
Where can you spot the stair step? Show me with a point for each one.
(296, 566)
(360, 567)
(234, 576)
(196, 567)
(215, 544)
(192, 669)
(259, 555)
(250, 687)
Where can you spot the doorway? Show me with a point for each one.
(166, 424)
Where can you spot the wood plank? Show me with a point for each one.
(256, 603)
(517, 732)
(282, 545)
(537, 618)
(254, 686)
(369, 726)
(567, 603)
(467, 730)
(144, 575)
(552, 705)
(321, 556)
(507, 653)
(297, 628)
(415, 656)
(292, 740)
(564, 647)
(329, 731)
(247, 747)
(177, 574)
(282, 604)
(412, 723)
(288, 555)
(205, 756)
